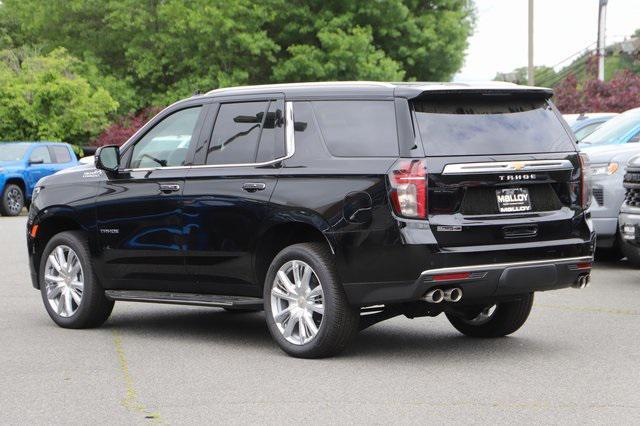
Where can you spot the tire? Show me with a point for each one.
(12, 200)
(506, 318)
(93, 307)
(632, 253)
(334, 328)
(610, 254)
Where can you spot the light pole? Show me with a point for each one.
(602, 22)
(530, 77)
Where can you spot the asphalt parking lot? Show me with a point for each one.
(575, 361)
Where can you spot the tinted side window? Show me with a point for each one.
(236, 133)
(40, 155)
(61, 154)
(272, 138)
(167, 144)
(358, 128)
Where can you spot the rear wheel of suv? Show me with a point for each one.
(70, 291)
(12, 200)
(494, 321)
(306, 308)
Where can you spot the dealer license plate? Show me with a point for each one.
(513, 200)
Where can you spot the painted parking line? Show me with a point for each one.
(130, 400)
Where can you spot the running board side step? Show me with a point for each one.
(220, 301)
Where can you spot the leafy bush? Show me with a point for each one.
(118, 132)
(44, 97)
(619, 94)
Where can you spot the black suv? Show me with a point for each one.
(331, 206)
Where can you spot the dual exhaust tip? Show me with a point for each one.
(437, 295)
(582, 282)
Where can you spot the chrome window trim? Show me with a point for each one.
(290, 149)
(490, 267)
(507, 166)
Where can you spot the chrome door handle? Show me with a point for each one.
(253, 186)
(169, 187)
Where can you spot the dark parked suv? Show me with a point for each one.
(331, 206)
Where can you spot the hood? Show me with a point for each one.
(10, 164)
(604, 153)
(75, 168)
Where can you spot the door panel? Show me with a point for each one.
(227, 201)
(221, 223)
(140, 230)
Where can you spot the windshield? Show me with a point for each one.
(483, 125)
(614, 130)
(12, 151)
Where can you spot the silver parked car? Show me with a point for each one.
(586, 123)
(609, 149)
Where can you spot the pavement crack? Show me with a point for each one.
(130, 400)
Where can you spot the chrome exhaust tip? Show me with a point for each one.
(452, 295)
(434, 296)
(583, 281)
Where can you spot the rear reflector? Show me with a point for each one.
(583, 265)
(452, 277)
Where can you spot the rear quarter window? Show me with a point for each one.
(358, 128)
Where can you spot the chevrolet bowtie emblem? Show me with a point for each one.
(517, 166)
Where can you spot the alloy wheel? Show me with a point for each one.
(64, 281)
(14, 200)
(297, 302)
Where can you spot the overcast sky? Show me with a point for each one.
(561, 28)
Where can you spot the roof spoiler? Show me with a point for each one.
(523, 91)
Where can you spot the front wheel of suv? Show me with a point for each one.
(70, 290)
(496, 320)
(305, 305)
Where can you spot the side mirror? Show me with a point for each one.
(108, 158)
(36, 161)
(634, 139)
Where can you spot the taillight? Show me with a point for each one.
(408, 180)
(585, 181)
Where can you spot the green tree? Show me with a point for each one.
(161, 50)
(44, 97)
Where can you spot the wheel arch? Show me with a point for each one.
(49, 226)
(283, 234)
(16, 180)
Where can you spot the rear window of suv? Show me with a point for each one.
(483, 125)
(358, 128)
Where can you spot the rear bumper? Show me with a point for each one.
(483, 281)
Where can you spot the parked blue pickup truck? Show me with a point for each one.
(23, 164)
